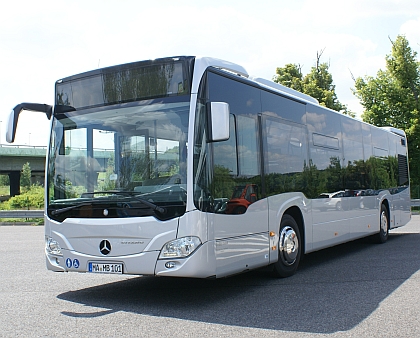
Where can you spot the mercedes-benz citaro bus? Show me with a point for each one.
(145, 157)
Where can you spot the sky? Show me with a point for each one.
(42, 41)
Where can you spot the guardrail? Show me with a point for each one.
(22, 214)
(22, 146)
(415, 203)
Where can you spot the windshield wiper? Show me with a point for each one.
(151, 205)
(61, 210)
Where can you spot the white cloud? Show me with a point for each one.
(411, 30)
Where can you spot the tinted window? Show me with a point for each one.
(279, 106)
(243, 99)
(322, 121)
(225, 153)
(285, 154)
(236, 179)
(367, 141)
(379, 138)
(249, 159)
(123, 83)
(201, 168)
(353, 165)
(352, 129)
(325, 165)
(354, 172)
(325, 171)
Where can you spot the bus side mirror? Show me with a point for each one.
(14, 116)
(11, 127)
(218, 113)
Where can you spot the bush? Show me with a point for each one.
(32, 199)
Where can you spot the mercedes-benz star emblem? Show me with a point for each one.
(105, 247)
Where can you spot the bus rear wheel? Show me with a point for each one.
(289, 247)
(382, 235)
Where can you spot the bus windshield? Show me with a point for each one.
(126, 160)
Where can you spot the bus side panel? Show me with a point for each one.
(242, 241)
(194, 223)
(401, 199)
(406, 208)
(366, 222)
(236, 255)
(201, 264)
(340, 219)
(401, 208)
(330, 225)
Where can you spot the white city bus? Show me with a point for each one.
(187, 166)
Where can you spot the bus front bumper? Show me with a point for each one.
(200, 264)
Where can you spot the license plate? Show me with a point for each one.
(105, 268)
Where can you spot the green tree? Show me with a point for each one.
(25, 176)
(318, 83)
(4, 180)
(290, 76)
(392, 98)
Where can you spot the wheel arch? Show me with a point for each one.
(388, 210)
(296, 213)
(382, 235)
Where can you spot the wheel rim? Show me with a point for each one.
(384, 222)
(288, 245)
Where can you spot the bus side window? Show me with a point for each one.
(225, 168)
(285, 156)
(236, 162)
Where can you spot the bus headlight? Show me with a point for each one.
(52, 247)
(180, 248)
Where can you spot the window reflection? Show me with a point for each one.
(234, 187)
(286, 154)
(236, 178)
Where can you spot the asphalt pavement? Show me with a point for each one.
(357, 289)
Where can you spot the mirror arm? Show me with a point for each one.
(14, 116)
(38, 107)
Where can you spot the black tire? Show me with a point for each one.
(382, 235)
(290, 248)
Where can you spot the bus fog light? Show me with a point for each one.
(180, 248)
(52, 247)
(170, 265)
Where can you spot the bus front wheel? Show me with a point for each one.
(289, 247)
